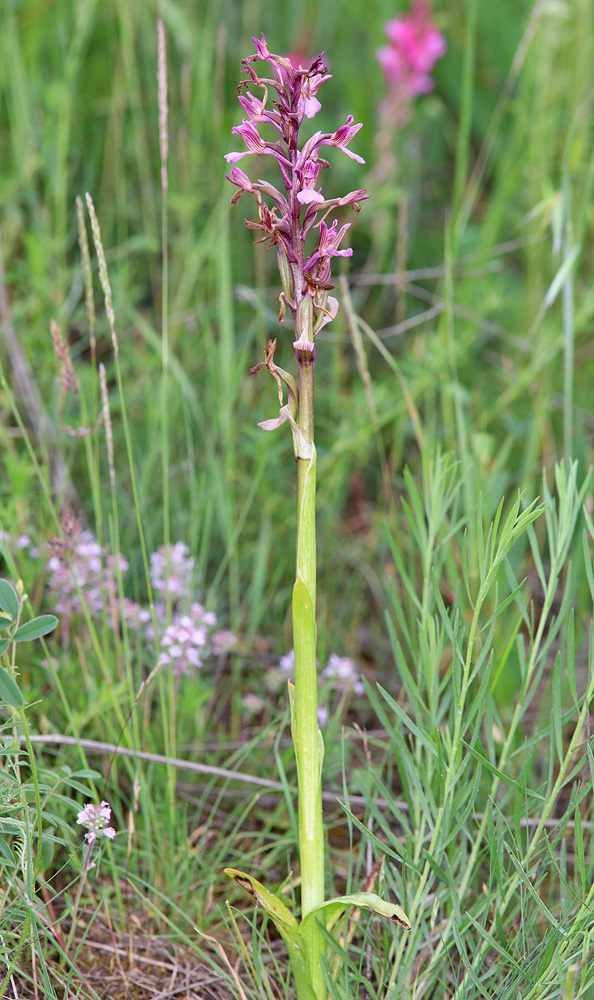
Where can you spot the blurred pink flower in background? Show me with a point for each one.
(414, 46)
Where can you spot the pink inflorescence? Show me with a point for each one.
(90, 572)
(186, 640)
(414, 46)
(286, 218)
(171, 570)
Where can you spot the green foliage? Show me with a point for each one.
(455, 527)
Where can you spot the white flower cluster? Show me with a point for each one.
(96, 818)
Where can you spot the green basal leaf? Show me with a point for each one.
(329, 913)
(35, 628)
(9, 601)
(271, 903)
(286, 925)
(9, 690)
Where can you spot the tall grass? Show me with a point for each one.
(477, 651)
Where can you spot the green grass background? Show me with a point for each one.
(493, 184)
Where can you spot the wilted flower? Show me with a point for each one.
(96, 818)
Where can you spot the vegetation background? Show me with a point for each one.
(457, 376)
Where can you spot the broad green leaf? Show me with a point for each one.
(9, 690)
(284, 921)
(4, 644)
(36, 628)
(330, 912)
(9, 601)
(271, 903)
(5, 621)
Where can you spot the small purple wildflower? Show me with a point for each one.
(171, 570)
(137, 618)
(96, 819)
(21, 542)
(252, 704)
(188, 641)
(287, 219)
(184, 641)
(287, 662)
(222, 642)
(342, 672)
(90, 570)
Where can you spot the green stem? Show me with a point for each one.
(306, 738)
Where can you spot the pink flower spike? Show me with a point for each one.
(342, 137)
(415, 45)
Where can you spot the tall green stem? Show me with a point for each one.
(306, 738)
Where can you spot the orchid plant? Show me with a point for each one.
(289, 219)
